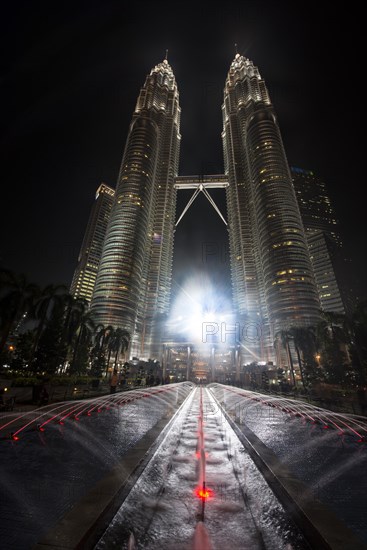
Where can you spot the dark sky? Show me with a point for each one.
(71, 73)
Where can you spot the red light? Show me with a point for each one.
(61, 423)
(14, 437)
(88, 413)
(76, 418)
(325, 426)
(204, 494)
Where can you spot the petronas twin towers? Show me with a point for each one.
(272, 280)
(134, 279)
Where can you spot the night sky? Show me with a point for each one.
(71, 73)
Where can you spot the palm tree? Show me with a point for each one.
(51, 348)
(310, 346)
(110, 347)
(121, 341)
(117, 342)
(51, 296)
(101, 336)
(334, 323)
(360, 338)
(333, 339)
(84, 332)
(17, 297)
(304, 343)
(101, 340)
(284, 336)
(75, 311)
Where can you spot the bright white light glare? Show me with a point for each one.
(196, 303)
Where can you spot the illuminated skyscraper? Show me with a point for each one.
(321, 228)
(324, 259)
(85, 273)
(315, 205)
(272, 278)
(134, 279)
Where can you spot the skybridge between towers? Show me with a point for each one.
(201, 184)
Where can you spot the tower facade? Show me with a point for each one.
(324, 242)
(85, 274)
(134, 279)
(272, 277)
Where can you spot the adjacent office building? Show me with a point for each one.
(321, 228)
(85, 274)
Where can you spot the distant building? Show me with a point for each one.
(85, 273)
(315, 204)
(322, 257)
(321, 228)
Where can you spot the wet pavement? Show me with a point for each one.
(237, 506)
(200, 470)
(330, 461)
(44, 473)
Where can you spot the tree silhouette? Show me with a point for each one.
(284, 337)
(17, 297)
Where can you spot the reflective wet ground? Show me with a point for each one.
(44, 473)
(327, 451)
(237, 506)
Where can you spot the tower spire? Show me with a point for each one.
(166, 58)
